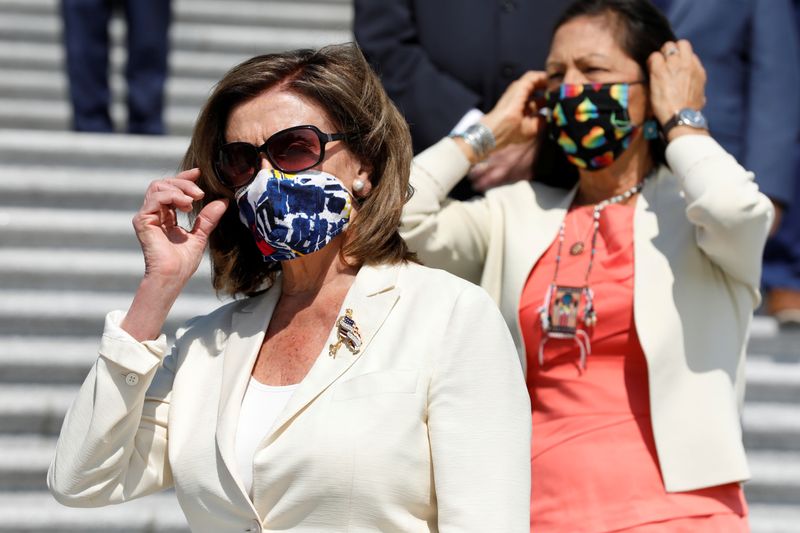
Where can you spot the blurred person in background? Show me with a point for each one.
(350, 388)
(446, 62)
(751, 54)
(629, 283)
(87, 42)
(782, 255)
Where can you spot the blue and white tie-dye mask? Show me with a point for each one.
(292, 215)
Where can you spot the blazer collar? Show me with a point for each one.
(371, 298)
(534, 230)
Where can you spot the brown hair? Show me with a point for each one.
(339, 79)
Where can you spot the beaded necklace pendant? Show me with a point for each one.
(559, 315)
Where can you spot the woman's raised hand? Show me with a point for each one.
(677, 81)
(171, 253)
(515, 118)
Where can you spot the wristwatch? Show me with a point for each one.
(686, 117)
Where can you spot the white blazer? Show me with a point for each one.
(698, 238)
(426, 429)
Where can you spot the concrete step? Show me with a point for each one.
(59, 229)
(61, 187)
(57, 115)
(83, 270)
(771, 426)
(24, 460)
(289, 13)
(776, 477)
(34, 409)
(38, 512)
(201, 35)
(81, 313)
(766, 518)
(159, 155)
(206, 66)
(300, 13)
(772, 381)
(46, 360)
(52, 86)
(766, 337)
(67, 228)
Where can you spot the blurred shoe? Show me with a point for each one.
(784, 306)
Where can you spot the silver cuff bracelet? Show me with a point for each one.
(480, 138)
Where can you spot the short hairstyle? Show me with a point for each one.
(339, 79)
(642, 30)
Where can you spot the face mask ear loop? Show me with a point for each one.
(650, 129)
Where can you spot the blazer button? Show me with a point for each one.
(255, 527)
(132, 379)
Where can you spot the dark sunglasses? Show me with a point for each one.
(291, 150)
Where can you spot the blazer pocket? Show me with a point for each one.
(380, 382)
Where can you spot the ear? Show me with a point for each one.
(364, 173)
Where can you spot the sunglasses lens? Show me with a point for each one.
(294, 150)
(237, 163)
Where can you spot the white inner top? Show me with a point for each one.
(260, 408)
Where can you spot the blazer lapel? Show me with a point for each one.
(533, 222)
(371, 298)
(248, 327)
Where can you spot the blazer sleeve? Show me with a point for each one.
(432, 100)
(773, 110)
(445, 233)
(731, 217)
(113, 443)
(479, 421)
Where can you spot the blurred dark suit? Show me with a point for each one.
(750, 51)
(440, 58)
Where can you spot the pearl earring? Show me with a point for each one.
(358, 185)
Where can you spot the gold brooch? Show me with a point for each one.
(347, 333)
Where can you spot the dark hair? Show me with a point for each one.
(339, 79)
(641, 30)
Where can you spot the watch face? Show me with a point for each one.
(692, 117)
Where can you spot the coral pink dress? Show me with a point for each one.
(593, 458)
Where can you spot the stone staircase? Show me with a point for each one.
(67, 249)
(68, 253)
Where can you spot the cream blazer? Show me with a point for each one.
(426, 429)
(698, 239)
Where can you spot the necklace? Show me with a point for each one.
(559, 313)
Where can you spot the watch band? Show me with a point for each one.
(671, 123)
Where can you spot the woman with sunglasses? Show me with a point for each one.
(350, 388)
(628, 283)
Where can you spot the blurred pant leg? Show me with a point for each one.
(782, 254)
(146, 72)
(86, 43)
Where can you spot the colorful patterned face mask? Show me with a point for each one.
(591, 123)
(292, 215)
